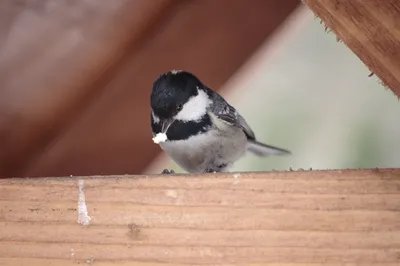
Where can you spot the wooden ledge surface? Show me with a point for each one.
(349, 217)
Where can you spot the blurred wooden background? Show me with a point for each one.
(75, 76)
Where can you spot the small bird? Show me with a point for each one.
(198, 128)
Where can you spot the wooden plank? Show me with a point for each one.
(328, 218)
(370, 28)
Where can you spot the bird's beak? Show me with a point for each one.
(166, 124)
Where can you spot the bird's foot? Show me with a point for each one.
(219, 168)
(167, 172)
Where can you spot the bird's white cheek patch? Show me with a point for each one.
(160, 137)
(195, 108)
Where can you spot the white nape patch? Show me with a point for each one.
(160, 137)
(156, 119)
(195, 108)
(83, 216)
(174, 72)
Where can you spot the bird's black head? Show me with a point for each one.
(171, 91)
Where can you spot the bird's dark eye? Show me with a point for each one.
(179, 107)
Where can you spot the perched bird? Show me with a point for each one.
(198, 128)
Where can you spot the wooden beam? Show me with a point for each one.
(55, 58)
(370, 28)
(348, 217)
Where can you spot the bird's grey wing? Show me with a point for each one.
(227, 113)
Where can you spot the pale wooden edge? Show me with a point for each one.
(340, 174)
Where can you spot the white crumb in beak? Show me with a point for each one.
(160, 137)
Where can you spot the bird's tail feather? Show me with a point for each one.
(261, 149)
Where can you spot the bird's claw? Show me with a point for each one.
(166, 172)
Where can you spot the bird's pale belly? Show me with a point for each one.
(209, 152)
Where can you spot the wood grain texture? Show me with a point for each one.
(328, 218)
(370, 28)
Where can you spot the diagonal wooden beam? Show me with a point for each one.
(54, 58)
(320, 218)
(370, 28)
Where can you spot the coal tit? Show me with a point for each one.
(197, 128)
